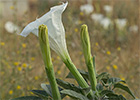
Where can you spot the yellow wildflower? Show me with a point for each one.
(2, 73)
(16, 63)
(81, 13)
(32, 58)
(108, 52)
(18, 87)
(9, 67)
(36, 77)
(59, 72)
(119, 48)
(2, 43)
(96, 44)
(76, 29)
(30, 67)
(80, 53)
(19, 68)
(11, 7)
(115, 66)
(107, 67)
(24, 45)
(52, 59)
(10, 92)
(58, 57)
(80, 22)
(18, 52)
(24, 65)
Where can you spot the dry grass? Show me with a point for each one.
(22, 65)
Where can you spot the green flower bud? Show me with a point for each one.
(85, 43)
(88, 57)
(45, 48)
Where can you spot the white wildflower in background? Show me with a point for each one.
(55, 27)
(107, 8)
(11, 27)
(105, 22)
(87, 8)
(133, 28)
(97, 17)
(121, 23)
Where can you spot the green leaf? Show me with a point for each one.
(99, 87)
(40, 93)
(47, 88)
(74, 94)
(125, 88)
(83, 73)
(27, 98)
(112, 96)
(114, 80)
(102, 76)
(104, 92)
(70, 86)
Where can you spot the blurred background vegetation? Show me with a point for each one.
(114, 32)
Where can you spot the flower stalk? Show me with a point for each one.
(45, 49)
(88, 57)
(79, 78)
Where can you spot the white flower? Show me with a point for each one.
(105, 22)
(11, 27)
(97, 17)
(133, 28)
(121, 23)
(107, 8)
(55, 27)
(87, 8)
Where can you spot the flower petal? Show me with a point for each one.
(45, 19)
(56, 30)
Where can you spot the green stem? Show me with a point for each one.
(81, 81)
(54, 87)
(92, 74)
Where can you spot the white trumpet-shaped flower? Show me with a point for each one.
(11, 27)
(87, 8)
(108, 8)
(56, 30)
(121, 23)
(97, 17)
(105, 22)
(133, 28)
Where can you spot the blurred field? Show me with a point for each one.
(117, 50)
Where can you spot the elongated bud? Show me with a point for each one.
(45, 47)
(87, 54)
(85, 42)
